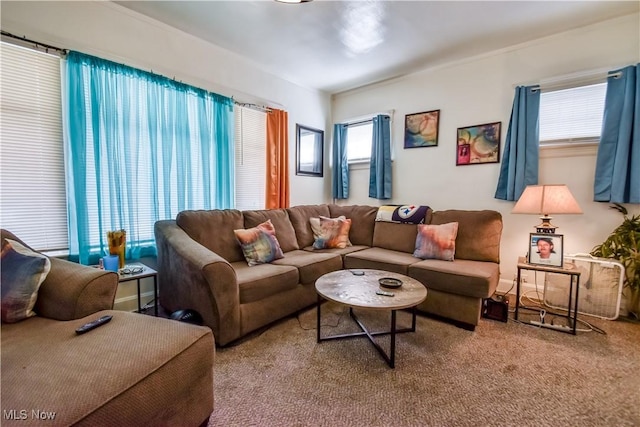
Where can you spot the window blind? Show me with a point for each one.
(572, 115)
(32, 178)
(359, 140)
(251, 160)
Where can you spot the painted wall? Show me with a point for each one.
(112, 32)
(480, 90)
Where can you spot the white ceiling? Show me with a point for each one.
(340, 45)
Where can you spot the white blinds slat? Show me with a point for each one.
(572, 114)
(250, 146)
(32, 186)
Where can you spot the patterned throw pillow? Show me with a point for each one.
(436, 241)
(330, 232)
(22, 273)
(259, 244)
(405, 214)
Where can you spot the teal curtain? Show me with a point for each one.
(617, 178)
(380, 164)
(340, 171)
(519, 166)
(139, 147)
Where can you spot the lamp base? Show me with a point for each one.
(546, 226)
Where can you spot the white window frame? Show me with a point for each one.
(576, 144)
(353, 125)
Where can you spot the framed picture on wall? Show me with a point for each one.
(309, 151)
(546, 249)
(478, 144)
(421, 129)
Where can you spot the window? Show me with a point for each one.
(32, 190)
(32, 172)
(572, 115)
(251, 157)
(359, 139)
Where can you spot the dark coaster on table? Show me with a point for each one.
(390, 282)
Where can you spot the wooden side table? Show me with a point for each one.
(572, 306)
(125, 276)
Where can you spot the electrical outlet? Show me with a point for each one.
(523, 277)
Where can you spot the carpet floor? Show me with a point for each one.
(503, 374)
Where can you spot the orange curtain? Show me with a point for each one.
(277, 190)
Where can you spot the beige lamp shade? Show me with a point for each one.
(545, 200)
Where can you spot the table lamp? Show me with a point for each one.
(544, 200)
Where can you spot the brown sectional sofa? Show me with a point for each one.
(201, 265)
(135, 370)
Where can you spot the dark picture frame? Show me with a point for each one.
(478, 144)
(309, 151)
(421, 129)
(546, 249)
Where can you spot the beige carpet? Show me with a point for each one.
(503, 374)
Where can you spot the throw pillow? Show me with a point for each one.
(330, 232)
(436, 241)
(23, 271)
(259, 244)
(405, 214)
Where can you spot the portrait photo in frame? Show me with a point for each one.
(421, 129)
(546, 249)
(478, 144)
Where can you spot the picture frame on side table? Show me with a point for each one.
(478, 144)
(546, 249)
(421, 129)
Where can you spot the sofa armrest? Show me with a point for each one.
(72, 291)
(192, 276)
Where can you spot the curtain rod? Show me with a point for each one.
(35, 44)
(63, 52)
(253, 106)
(573, 80)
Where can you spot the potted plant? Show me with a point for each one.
(623, 244)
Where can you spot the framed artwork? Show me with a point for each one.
(309, 151)
(546, 249)
(478, 144)
(421, 129)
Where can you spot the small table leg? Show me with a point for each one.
(155, 296)
(318, 319)
(139, 306)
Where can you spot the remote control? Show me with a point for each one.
(384, 293)
(92, 325)
(357, 272)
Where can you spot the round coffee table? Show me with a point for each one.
(356, 290)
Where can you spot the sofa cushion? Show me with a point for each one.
(396, 237)
(299, 217)
(311, 265)
(362, 221)
(213, 229)
(436, 241)
(330, 232)
(280, 219)
(479, 233)
(23, 271)
(135, 370)
(339, 251)
(259, 244)
(463, 277)
(264, 280)
(380, 259)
